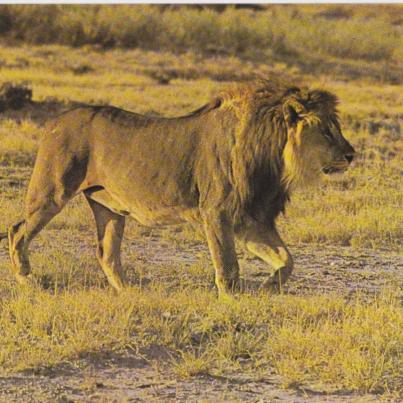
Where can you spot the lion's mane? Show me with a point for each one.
(256, 169)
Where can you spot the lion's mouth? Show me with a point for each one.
(332, 170)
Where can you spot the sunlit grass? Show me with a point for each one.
(232, 31)
(18, 142)
(361, 209)
(320, 340)
(326, 342)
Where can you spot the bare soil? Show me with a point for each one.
(128, 378)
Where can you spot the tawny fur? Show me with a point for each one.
(229, 166)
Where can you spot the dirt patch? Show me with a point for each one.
(126, 377)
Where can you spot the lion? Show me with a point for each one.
(229, 166)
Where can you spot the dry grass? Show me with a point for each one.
(310, 340)
(315, 340)
(327, 31)
(19, 142)
(360, 209)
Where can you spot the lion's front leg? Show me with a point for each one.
(266, 244)
(220, 238)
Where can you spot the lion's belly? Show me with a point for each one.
(163, 216)
(150, 214)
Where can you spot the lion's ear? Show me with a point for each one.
(292, 113)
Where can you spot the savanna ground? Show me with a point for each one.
(335, 333)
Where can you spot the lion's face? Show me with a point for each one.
(316, 148)
(326, 148)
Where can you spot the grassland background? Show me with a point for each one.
(275, 30)
(170, 60)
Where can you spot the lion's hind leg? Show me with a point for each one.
(266, 244)
(110, 228)
(21, 234)
(18, 252)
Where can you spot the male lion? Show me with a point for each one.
(229, 165)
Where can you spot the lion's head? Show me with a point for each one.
(284, 135)
(315, 144)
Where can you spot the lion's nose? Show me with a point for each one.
(349, 157)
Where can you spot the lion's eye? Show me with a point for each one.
(328, 134)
